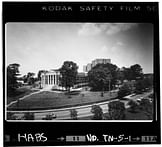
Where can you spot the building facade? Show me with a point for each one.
(89, 66)
(50, 79)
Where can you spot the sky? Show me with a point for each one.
(45, 46)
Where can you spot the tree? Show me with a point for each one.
(68, 73)
(39, 74)
(136, 72)
(102, 77)
(12, 73)
(124, 90)
(133, 105)
(97, 111)
(116, 110)
(140, 86)
(29, 116)
(147, 107)
(127, 73)
(133, 73)
(30, 78)
(73, 114)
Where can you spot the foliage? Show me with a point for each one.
(48, 117)
(147, 107)
(116, 110)
(124, 90)
(73, 114)
(102, 77)
(97, 111)
(68, 74)
(29, 116)
(133, 105)
(30, 78)
(127, 74)
(11, 116)
(39, 74)
(143, 84)
(136, 72)
(12, 73)
(133, 73)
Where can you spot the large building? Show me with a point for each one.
(50, 79)
(89, 66)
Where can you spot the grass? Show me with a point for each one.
(136, 116)
(20, 92)
(48, 100)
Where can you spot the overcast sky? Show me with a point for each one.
(37, 46)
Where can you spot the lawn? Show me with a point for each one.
(48, 100)
(20, 92)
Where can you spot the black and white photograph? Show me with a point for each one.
(79, 71)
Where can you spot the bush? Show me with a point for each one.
(124, 90)
(147, 107)
(97, 111)
(133, 105)
(11, 116)
(29, 116)
(116, 110)
(73, 114)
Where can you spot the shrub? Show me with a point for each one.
(116, 110)
(133, 105)
(73, 114)
(50, 116)
(124, 90)
(97, 111)
(147, 107)
(29, 116)
(11, 116)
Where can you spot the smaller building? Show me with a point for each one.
(81, 80)
(89, 66)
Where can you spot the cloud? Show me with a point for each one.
(119, 27)
(90, 29)
(104, 49)
(120, 43)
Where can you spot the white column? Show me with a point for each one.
(56, 78)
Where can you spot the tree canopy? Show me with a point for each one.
(12, 73)
(68, 73)
(39, 74)
(102, 76)
(133, 73)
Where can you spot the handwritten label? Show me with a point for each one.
(38, 137)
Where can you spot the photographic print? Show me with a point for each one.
(79, 71)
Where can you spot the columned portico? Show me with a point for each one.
(50, 79)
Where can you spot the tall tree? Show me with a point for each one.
(124, 90)
(12, 73)
(68, 73)
(116, 110)
(102, 77)
(39, 74)
(97, 111)
(136, 72)
(30, 78)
